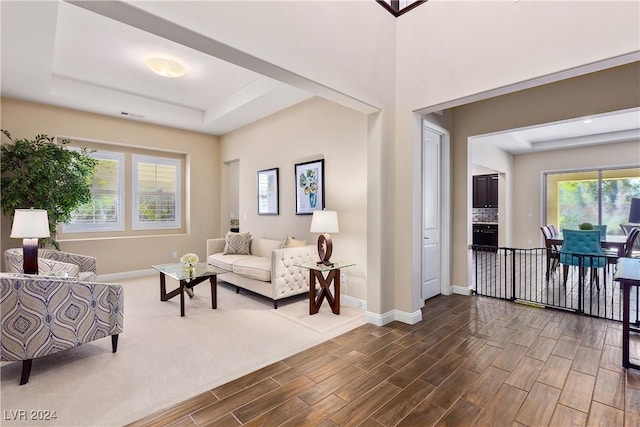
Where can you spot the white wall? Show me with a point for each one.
(453, 49)
(315, 129)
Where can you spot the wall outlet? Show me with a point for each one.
(174, 254)
(343, 278)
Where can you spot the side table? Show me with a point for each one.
(628, 274)
(316, 273)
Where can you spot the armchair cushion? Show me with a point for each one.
(49, 267)
(48, 262)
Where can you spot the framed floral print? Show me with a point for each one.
(309, 187)
(268, 197)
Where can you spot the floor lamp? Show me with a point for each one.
(30, 225)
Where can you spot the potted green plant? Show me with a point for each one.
(585, 226)
(41, 173)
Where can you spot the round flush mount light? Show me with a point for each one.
(166, 67)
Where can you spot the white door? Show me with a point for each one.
(431, 253)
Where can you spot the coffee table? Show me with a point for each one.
(188, 278)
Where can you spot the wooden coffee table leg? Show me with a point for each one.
(214, 291)
(182, 285)
(163, 288)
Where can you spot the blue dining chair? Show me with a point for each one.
(581, 248)
(602, 229)
(553, 251)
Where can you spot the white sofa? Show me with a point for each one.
(269, 270)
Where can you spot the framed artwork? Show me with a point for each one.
(268, 197)
(309, 187)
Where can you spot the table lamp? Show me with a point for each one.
(30, 225)
(324, 222)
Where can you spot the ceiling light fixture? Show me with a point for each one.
(166, 67)
(587, 121)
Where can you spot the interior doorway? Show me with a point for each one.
(231, 220)
(435, 210)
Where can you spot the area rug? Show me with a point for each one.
(163, 358)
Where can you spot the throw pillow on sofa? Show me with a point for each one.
(237, 243)
(293, 243)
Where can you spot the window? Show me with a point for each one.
(596, 196)
(105, 210)
(156, 192)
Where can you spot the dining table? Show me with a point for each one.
(610, 241)
(628, 274)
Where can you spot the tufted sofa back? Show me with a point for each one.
(263, 247)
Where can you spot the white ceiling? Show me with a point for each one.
(60, 54)
(618, 126)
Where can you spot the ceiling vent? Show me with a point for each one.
(133, 115)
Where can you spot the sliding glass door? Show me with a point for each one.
(599, 196)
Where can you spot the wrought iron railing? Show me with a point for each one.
(521, 275)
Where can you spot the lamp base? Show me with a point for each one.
(325, 249)
(30, 256)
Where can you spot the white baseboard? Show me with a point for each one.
(461, 290)
(390, 316)
(112, 277)
(353, 302)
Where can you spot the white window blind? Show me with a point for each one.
(105, 210)
(156, 192)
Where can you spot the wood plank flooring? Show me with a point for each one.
(470, 361)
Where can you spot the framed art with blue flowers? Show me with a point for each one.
(309, 187)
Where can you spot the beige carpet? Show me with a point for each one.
(162, 358)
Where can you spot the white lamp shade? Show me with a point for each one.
(324, 222)
(30, 224)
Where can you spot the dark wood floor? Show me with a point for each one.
(471, 361)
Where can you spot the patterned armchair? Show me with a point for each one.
(43, 316)
(55, 263)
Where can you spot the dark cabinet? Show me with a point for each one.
(485, 234)
(485, 191)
